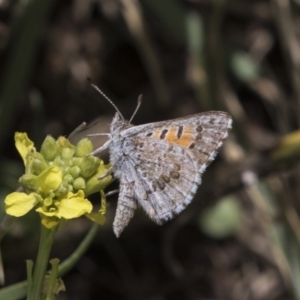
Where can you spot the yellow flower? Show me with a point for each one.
(68, 207)
(19, 204)
(57, 180)
(73, 206)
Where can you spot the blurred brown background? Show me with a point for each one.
(240, 237)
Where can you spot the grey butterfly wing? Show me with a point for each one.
(212, 121)
(169, 158)
(167, 183)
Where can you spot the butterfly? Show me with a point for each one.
(159, 165)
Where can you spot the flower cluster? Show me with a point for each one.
(57, 179)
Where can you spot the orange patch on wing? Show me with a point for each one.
(156, 133)
(171, 135)
(185, 139)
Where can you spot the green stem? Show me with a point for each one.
(46, 240)
(18, 290)
(29, 268)
(70, 262)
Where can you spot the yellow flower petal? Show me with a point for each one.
(50, 179)
(23, 144)
(96, 217)
(18, 204)
(46, 213)
(74, 206)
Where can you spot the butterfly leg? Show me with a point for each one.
(112, 193)
(125, 207)
(108, 172)
(100, 134)
(100, 149)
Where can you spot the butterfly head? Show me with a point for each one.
(119, 123)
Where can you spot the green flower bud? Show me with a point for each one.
(28, 182)
(63, 189)
(70, 188)
(38, 197)
(68, 178)
(67, 153)
(62, 142)
(38, 165)
(51, 195)
(66, 170)
(74, 171)
(89, 166)
(94, 184)
(47, 202)
(77, 161)
(84, 147)
(49, 148)
(59, 162)
(79, 184)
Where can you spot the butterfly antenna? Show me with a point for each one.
(110, 101)
(140, 98)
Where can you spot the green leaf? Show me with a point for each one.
(244, 66)
(221, 220)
